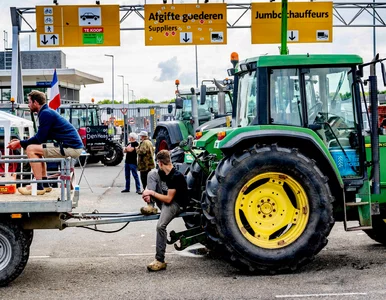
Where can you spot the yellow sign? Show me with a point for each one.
(77, 26)
(308, 22)
(185, 24)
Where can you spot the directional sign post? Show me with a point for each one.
(185, 24)
(308, 22)
(77, 26)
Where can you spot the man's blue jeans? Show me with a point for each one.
(133, 169)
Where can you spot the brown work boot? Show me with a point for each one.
(46, 188)
(148, 210)
(156, 266)
(27, 191)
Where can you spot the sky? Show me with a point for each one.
(151, 71)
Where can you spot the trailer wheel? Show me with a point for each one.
(29, 235)
(14, 252)
(272, 208)
(114, 156)
(378, 231)
(162, 141)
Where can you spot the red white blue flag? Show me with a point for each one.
(55, 95)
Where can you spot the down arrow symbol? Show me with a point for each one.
(44, 41)
(292, 36)
(186, 39)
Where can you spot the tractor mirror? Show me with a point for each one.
(359, 72)
(179, 103)
(203, 94)
(231, 72)
(383, 74)
(170, 108)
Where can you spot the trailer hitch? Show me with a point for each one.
(187, 238)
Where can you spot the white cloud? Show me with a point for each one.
(151, 71)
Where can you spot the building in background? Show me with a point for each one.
(37, 71)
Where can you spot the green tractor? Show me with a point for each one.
(296, 160)
(193, 111)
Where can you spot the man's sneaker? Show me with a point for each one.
(27, 191)
(139, 192)
(125, 191)
(156, 266)
(148, 210)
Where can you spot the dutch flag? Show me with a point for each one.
(55, 95)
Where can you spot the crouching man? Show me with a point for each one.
(167, 187)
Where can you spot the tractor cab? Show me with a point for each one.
(99, 144)
(314, 92)
(81, 116)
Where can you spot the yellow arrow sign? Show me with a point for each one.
(308, 22)
(185, 24)
(77, 26)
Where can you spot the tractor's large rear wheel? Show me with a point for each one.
(114, 155)
(163, 141)
(14, 252)
(196, 179)
(272, 208)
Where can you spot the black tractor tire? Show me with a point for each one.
(272, 208)
(163, 141)
(14, 252)
(115, 155)
(378, 231)
(195, 179)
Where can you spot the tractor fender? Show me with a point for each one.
(173, 129)
(305, 142)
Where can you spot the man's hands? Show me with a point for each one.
(14, 144)
(146, 195)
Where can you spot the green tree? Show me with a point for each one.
(168, 101)
(107, 101)
(142, 101)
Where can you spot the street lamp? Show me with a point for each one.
(123, 107)
(112, 93)
(123, 89)
(128, 100)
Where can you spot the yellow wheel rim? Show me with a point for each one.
(272, 210)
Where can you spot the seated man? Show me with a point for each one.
(53, 127)
(168, 188)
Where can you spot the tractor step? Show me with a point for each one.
(356, 228)
(356, 203)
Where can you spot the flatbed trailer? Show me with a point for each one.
(21, 214)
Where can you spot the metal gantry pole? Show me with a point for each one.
(112, 77)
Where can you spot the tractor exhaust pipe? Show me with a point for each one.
(374, 130)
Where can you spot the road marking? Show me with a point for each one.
(40, 256)
(321, 295)
(142, 254)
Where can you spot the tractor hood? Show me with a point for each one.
(216, 123)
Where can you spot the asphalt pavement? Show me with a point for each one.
(77, 263)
